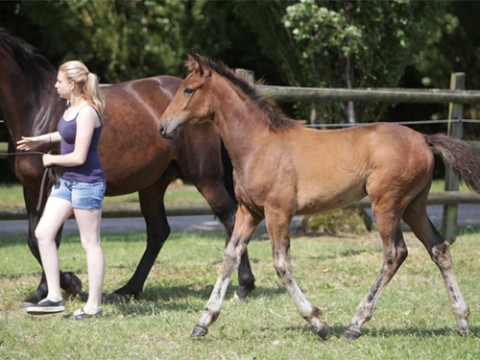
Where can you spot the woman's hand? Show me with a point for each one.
(26, 143)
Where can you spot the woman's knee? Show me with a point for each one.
(91, 244)
(43, 234)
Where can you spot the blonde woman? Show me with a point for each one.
(80, 190)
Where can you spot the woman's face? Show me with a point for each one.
(63, 85)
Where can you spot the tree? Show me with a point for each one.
(455, 48)
(348, 43)
(122, 39)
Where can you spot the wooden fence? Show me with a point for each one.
(455, 97)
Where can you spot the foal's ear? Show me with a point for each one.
(195, 62)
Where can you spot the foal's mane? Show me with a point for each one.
(37, 70)
(277, 119)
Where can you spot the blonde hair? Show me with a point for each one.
(86, 81)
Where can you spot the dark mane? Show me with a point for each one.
(38, 71)
(278, 119)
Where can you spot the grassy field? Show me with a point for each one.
(413, 319)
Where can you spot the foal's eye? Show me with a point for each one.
(188, 91)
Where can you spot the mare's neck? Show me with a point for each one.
(28, 108)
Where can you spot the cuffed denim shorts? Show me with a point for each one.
(82, 195)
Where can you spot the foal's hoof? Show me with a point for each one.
(464, 331)
(324, 332)
(72, 284)
(352, 335)
(199, 331)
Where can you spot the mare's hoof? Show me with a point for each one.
(72, 284)
(117, 298)
(324, 333)
(352, 334)
(199, 331)
(243, 291)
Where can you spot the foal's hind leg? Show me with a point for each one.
(245, 226)
(394, 253)
(278, 230)
(439, 249)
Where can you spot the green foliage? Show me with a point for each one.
(341, 221)
(297, 43)
(125, 39)
(455, 48)
(357, 44)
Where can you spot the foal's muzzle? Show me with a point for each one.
(165, 133)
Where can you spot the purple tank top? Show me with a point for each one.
(91, 170)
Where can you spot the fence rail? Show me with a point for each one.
(437, 96)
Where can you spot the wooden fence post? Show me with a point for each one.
(455, 129)
(247, 75)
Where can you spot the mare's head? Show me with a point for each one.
(27, 94)
(20, 62)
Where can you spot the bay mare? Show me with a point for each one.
(134, 156)
(282, 168)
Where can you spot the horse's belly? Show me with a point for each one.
(316, 201)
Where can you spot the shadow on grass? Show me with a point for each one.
(338, 331)
(419, 332)
(175, 298)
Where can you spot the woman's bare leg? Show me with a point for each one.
(89, 227)
(56, 212)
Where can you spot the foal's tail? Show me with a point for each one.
(460, 157)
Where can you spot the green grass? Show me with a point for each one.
(413, 319)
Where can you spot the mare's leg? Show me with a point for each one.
(158, 230)
(68, 280)
(245, 226)
(387, 214)
(278, 230)
(439, 249)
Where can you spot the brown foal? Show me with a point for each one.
(282, 168)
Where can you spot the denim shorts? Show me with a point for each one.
(81, 195)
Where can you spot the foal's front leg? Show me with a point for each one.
(245, 225)
(279, 236)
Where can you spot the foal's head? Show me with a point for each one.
(191, 103)
(194, 101)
